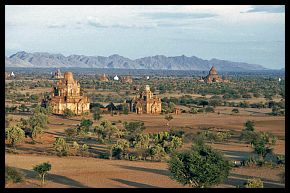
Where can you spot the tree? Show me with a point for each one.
(42, 170)
(68, 113)
(156, 152)
(120, 149)
(199, 167)
(203, 103)
(214, 102)
(86, 124)
(97, 113)
(7, 121)
(133, 128)
(71, 133)
(168, 118)
(262, 145)
(107, 129)
(35, 125)
(61, 147)
(254, 183)
(249, 125)
(14, 135)
(248, 134)
(141, 144)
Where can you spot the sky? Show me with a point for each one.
(240, 33)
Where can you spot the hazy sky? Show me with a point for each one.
(242, 33)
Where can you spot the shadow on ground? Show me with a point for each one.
(134, 184)
(53, 178)
(238, 179)
(155, 171)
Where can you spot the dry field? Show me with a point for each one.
(79, 172)
(94, 172)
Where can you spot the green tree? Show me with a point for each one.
(199, 167)
(61, 147)
(132, 129)
(14, 135)
(249, 125)
(156, 152)
(120, 149)
(42, 170)
(262, 145)
(35, 125)
(97, 113)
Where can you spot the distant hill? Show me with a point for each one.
(158, 62)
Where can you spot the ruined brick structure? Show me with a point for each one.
(66, 94)
(146, 102)
(104, 78)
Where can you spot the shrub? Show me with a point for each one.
(120, 149)
(68, 113)
(71, 133)
(254, 183)
(157, 152)
(235, 111)
(12, 175)
(84, 150)
(209, 109)
(250, 162)
(280, 159)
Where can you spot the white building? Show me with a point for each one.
(116, 78)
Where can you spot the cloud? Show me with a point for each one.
(266, 9)
(115, 23)
(178, 15)
(56, 25)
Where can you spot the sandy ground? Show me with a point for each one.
(94, 172)
(78, 172)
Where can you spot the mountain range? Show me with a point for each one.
(158, 62)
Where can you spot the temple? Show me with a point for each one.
(126, 79)
(104, 78)
(146, 103)
(66, 95)
(212, 77)
(57, 74)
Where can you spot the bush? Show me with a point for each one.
(71, 133)
(250, 162)
(120, 149)
(68, 113)
(14, 135)
(280, 159)
(12, 175)
(199, 167)
(254, 183)
(209, 109)
(235, 111)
